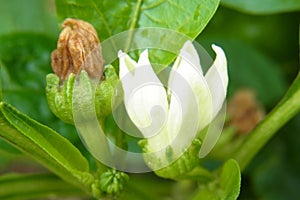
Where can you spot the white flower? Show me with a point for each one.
(191, 102)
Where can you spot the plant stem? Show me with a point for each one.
(281, 114)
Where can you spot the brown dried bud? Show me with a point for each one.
(245, 111)
(78, 48)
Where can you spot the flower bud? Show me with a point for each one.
(79, 53)
(112, 181)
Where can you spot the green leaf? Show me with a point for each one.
(113, 17)
(44, 145)
(35, 186)
(263, 7)
(230, 180)
(25, 61)
(226, 186)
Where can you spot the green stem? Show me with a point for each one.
(281, 114)
(35, 186)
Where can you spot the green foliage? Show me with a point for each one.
(24, 65)
(263, 7)
(44, 145)
(112, 17)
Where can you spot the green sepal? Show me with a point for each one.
(105, 91)
(60, 95)
(181, 167)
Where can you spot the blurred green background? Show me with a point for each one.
(262, 47)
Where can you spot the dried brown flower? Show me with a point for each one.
(78, 48)
(245, 111)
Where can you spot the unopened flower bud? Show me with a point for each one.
(112, 181)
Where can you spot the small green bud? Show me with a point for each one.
(112, 181)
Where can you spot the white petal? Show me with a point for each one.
(217, 79)
(144, 60)
(126, 64)
(144, 95)
(190, 54)
(190, 100)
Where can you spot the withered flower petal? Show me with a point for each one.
(78, 48)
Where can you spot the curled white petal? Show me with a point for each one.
(217, 79)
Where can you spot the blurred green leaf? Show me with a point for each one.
(250, 68)
(44, 145)
(147, 186)
(256, 30)
(226, 186)
(263, 7)
(275, 172)
(6, 148)
(35, 186)
(27, 16)
(25, 61)
(247, 43)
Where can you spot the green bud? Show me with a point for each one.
(112, 181)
